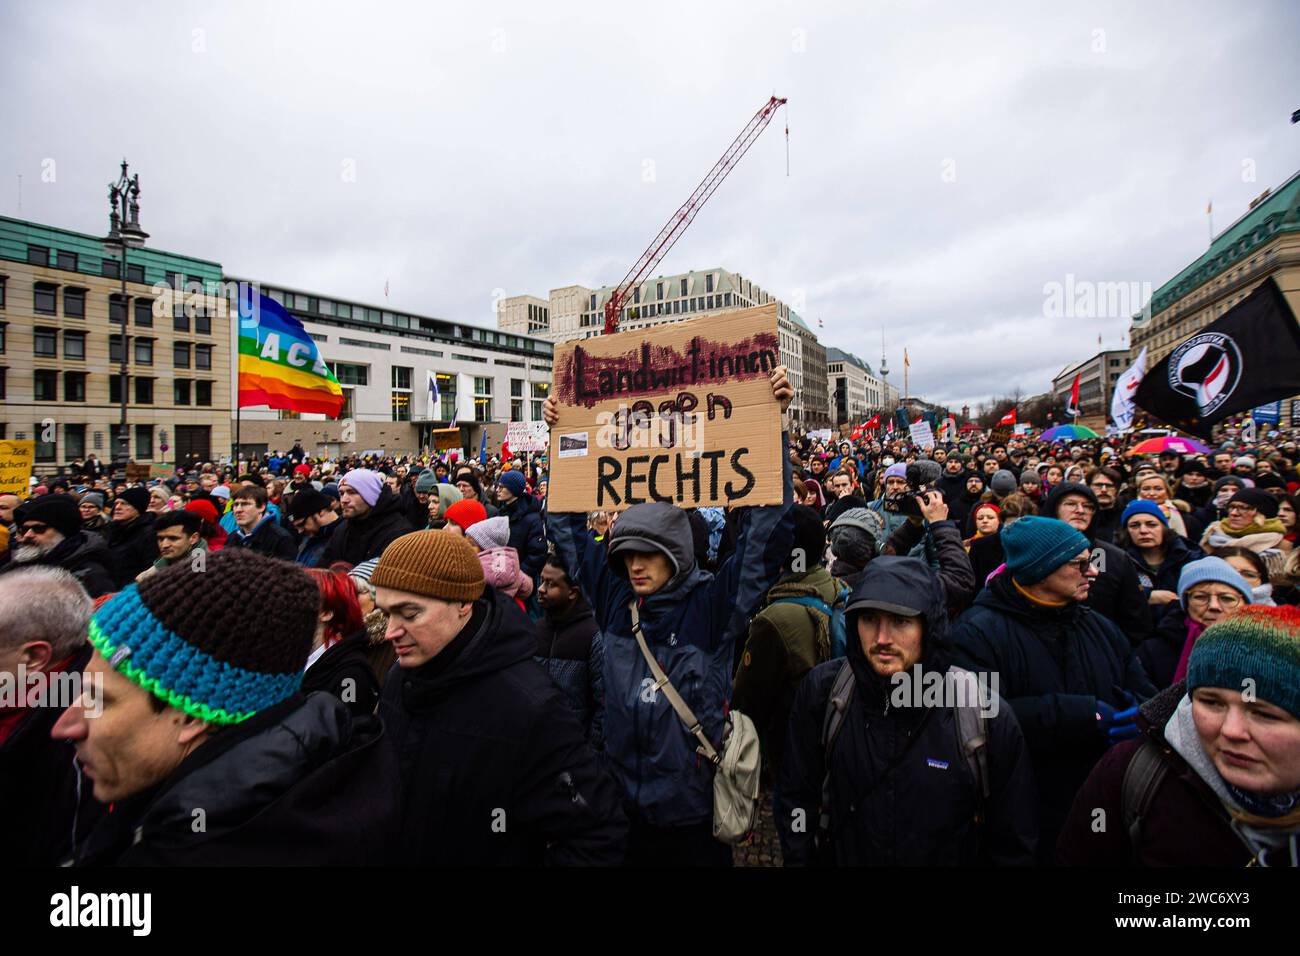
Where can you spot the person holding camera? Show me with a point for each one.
(927, 533)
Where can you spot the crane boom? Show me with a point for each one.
(682, 218)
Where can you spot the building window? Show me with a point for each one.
(349, 404)
(110, 269)
(143, 351)
(349, 374)
(45, 385)
(74, 386)
(116, 308)
(143, 391)
(708, 282)
(482, 399)
(74, 442)
(144, 313)
(203, 393)
(38, 255)
(134, 273)
(143, 441)
(45, 343)
(74, 345)
(4, 375)
(343, 310)
(180, 320)
(115, 390)
(66, 260)
(683, 287)
(446, 397)
(181, 391)
(401, 393)
(74, 303)
(3, 282)
(45, 451)
(180, 355)
(540, 391)
(203, 357)
(44, 298)
(202, 322)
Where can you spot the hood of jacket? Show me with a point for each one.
(524, 504)
(656, 526)
(501, 568)
(503, 638)
(1177, 553)
(910, 582)
(818, 583)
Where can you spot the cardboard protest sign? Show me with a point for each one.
(527, 436)
(446, 439)
(680, 413)
(922, 436)
(161, 470)
(137, 472)
(16, 461)
(1000, 435)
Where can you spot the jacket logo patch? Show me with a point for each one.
(648, 690)
(936, 764)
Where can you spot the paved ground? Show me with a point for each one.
(764, 849)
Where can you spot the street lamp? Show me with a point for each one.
(124, 232)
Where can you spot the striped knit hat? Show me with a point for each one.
(1257, 644)
(219, 644)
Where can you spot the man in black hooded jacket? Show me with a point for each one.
(903, 790)
(372, 519)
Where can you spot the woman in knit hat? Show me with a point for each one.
(500, 561)
(1251, 522)
(1208, 590)
(201, 707)
(379, 652)
(1156, 488)
(211, 530)
(463, 515)
(470, 489)
(442, 497)
(1214, 777)
(92, 512)
(1157, 552)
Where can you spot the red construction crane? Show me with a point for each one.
(682, 218)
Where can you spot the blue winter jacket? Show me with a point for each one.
(691, 626)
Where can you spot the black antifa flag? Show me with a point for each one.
(1249, 357)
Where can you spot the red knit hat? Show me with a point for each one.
(204, 509)
(466, 513)
(988, 504)
(302, 470)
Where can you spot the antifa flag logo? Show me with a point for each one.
(1206, 368)
(1249, 357)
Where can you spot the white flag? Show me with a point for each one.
(1126, 386)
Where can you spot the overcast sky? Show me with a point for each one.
(947, 160)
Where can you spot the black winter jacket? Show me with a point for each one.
(902, 793)
(134, 547)
(42, 802)
(84, 555)
(1177, 554)
(573, 653)
(527, 533)
(1160, 652)
(1053, 665)
(363, 538)
(495, 770)
(299, 784)
(344, 671)
(268, 538)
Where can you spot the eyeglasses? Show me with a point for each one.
(1080, 564)
(1077, 506)
(34, 527)
(1241, 509)
(1225, 601)
(1099, 485)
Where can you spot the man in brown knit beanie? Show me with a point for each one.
(496, 770)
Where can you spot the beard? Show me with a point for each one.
(26, 553)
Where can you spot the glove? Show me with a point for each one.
(1116, 725)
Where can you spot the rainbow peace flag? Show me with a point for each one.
(279, 364)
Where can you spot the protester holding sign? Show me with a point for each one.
(690, 620)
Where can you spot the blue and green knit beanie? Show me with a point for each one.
(221, 642)
(1035, 547)
(1258, 643)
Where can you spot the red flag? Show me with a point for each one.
(872, 422)
(505, 449)
(1072, 409)
(857, 433)
(1009, 418)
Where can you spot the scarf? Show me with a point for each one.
(1263, 823)
(1194, 630)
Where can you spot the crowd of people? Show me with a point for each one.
(413, 660)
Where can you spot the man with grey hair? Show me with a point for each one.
(44, 614)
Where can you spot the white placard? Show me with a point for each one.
(922, 436)
(527, 436)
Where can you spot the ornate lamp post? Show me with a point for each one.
(124, 232)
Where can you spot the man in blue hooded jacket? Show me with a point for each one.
(690, 620)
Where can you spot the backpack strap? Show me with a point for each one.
(684, 712)
(837, 706)
(972, 733)
(1142, 778)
